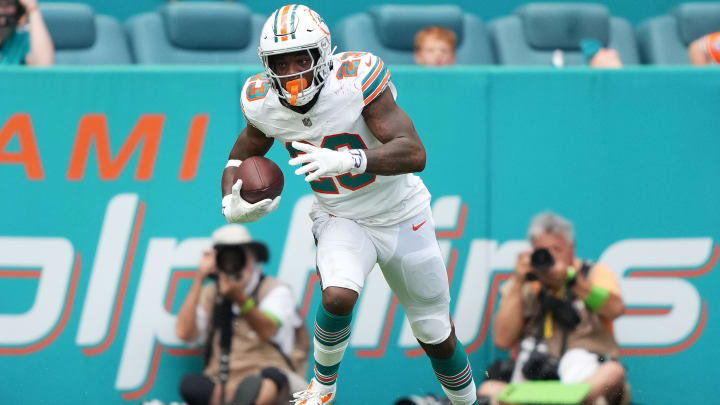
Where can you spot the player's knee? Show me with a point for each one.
(276, 376)
(491, 388)
(425, 277)
(196, 389)
(247, 391)
(614, 372)
(339, 300)
(431, 331)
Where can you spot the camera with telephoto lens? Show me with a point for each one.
(230, 259)
(542, 260)
(541, 366)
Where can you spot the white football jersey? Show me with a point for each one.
(336, 122)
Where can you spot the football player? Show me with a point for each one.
(337, 117)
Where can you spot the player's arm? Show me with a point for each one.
(250, 142)
(402, 150)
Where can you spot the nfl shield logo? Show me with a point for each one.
(306, 121)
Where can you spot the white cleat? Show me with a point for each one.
(315, 394)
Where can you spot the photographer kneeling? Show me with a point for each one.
(256, 344)
(560, 309)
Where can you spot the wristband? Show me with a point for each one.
(571, 272)
(597, 297)
(233, 163)
(247, 306)
(359, 161)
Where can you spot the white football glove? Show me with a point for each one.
(236, 209)
(323, 162)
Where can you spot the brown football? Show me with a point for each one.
(261, 179)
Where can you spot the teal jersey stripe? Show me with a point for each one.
(372, 70)
(378, 80)
(15, 48)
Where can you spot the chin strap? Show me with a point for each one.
(295, 87)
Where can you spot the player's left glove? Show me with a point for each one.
(236, 209)
(322, 162)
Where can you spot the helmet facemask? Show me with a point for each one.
(297, 91)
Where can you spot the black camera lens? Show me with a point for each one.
(230, 259)
(541, 366)
(541, 260)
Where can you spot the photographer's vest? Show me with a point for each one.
(249, 353)
(594, 332)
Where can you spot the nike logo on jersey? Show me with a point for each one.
(418, 226)
(369, 62)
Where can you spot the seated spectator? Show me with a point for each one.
(598, 57)
(256, 344)
(559, 310)
(435, 46)
(705, 50)
(606, 58)
(29, 44)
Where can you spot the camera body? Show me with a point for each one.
(230, 259)
(542, 260)
(541, 366)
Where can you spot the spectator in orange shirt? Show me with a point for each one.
(559, 310)
(705, 50)
(435, 46)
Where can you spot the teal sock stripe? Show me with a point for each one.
(455, 372)
(331, 329)
(326, 375)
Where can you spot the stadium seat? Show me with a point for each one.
(534, 31)
(196, 33)
(83, 38)
(665, 39)
(389, 31)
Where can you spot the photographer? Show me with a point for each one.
(28, 44)
(256, 343)
(559, 310)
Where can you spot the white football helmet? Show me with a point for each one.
(293, 28)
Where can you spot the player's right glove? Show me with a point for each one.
(236, 209)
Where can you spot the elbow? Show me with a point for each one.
(45, 63)
(266, 335)
(502, 341)
(618, 308)
(184, 333)
(505, 332)
(41, 60)
(48, 59)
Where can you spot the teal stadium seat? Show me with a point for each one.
(389, 31)
(531, 34)
(196, 33)
(83, 38)
(664, 40)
